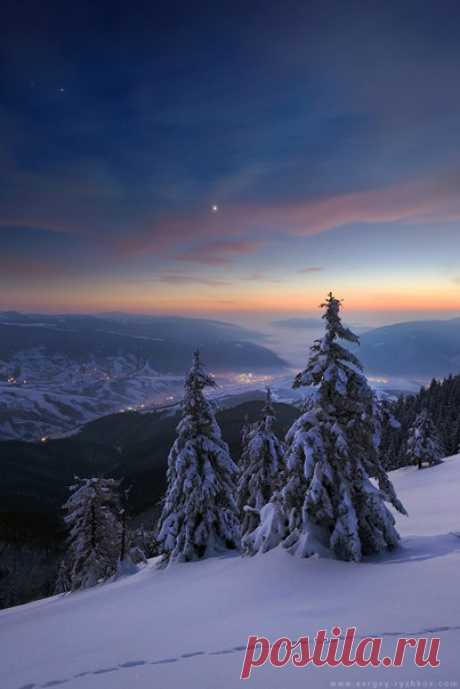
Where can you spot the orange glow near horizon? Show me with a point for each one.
(270, 300)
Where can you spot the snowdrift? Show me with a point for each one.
(186, 627)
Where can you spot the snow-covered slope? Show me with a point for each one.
(184, 628)
(55, 395)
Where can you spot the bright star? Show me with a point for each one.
(214, 208)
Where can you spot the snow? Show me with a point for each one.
(185, 627)
(55, 395)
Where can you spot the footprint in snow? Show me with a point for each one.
(133, 663)
(225, 651)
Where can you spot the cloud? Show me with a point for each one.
(310, 269)
(86, 198)
(258, 277)
(420, 200)
(10, 266)
(219, 252)
(177, 279)
(240, 229)
(172, 279)
(434, 199)
(22, 270)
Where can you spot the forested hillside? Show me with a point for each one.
(441, 400)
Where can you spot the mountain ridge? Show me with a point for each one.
(428, 348)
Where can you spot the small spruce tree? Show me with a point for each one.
(93, 517)
(261, 468)
(332, 505)
(271, 529)
(423, 443)
(199, 514)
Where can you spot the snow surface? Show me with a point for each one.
(185, 627)
(54, 395)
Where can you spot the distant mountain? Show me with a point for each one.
(166, 343)
(311, 323)
(421, 348)
(298, 323)
(58, 372)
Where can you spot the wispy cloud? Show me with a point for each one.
(177, 279)
(219, 252)
(310, 269)
(419, 200)
(173, 279)
(239, 230)
(260, 277)
(20, 270)
(422, 200)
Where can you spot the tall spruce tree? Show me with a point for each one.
(93, 517)
(423, 443)
(199, 516)
(332, 504)
(261, 468)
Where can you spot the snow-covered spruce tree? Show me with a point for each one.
(199, 515)
(423, 443)
(271, 529)
(390, 434)
(330, 500)
(261, 469)
(129, 555)
(245, 430)
(93, 516)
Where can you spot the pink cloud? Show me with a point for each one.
(240, 229)
(219, 252)
(310, 269)
(15, 268)
(428, 200)
(260, 277)
(423, 200)
(173, 279)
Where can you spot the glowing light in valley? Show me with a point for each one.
(373, 379)
(251, 378)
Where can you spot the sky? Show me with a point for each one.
(232, 159)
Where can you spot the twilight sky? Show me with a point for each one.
(230, 158)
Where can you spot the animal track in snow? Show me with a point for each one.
(225, 651)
